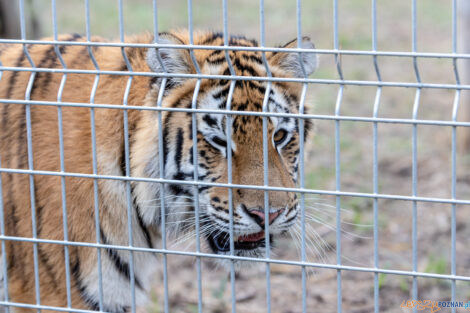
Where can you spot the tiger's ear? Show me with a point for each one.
(170, 60)
(292, 62)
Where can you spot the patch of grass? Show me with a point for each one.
(361, 42)
(218, 293)
(316, 178)
(192, 308)
(437, 265)
(404, 285)
(154, 306)
(382, 277)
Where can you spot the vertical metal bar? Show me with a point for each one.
(414, 234)
(127, 161)
(229, 157)
(302, 197)
(94, 158)
(4, 249)
(155, 20)
(375, 170)
(375, 166)
(195, 158)
(30, 156)
(453, 267)
(161, 92)
(265, 159)
(337, 158)
(2, 233)
(301, 152)
(266, 196)
(196, 194)
(338, 198)
(230, 194)
(61, 155)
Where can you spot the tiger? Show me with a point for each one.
(89, 172)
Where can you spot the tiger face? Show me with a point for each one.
(243, 146)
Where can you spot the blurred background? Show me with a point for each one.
(394, 33)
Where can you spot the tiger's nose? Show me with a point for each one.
(257, 214)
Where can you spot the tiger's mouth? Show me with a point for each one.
(220, 241)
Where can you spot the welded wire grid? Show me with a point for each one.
(337, 118)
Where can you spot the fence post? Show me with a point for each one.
(464, 67)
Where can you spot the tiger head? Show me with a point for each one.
(213, 141)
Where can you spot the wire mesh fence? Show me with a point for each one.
(416, 204)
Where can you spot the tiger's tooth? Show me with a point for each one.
(235, 238)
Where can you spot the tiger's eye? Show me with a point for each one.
(280, 136)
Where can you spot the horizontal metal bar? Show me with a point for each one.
(249, 113)
(242, 78)
(237, 258)
(241, 48)
(266, 188)
(43, 307)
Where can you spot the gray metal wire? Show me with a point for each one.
(245, 78)
(267, 188)
(337, 118)
(94, 158)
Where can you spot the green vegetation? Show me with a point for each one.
(437, 265)
(154, 305)
(382, 277)
(404, 285)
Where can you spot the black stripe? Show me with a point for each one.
(211, 122)
(94, 305)
(283, 46)
(218, 60)
(42, 256)
(290, 219)
(242, 41)
(81, 55)
(212, 37)
(46, 62)
(213, 53)
(247, 68)
(257, 86)
(202, 188)
(52, 60)
(22, 152)
(252, 57)
(144, 229)
(14, 75)
(179, 148)
(122, 162)
(49, 268)
(11, 85)
(222, 93)
(190, 129)
(14, 232)
(121, 266)
(165, 134)
(177, 190)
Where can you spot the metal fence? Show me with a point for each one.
(377, 269)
